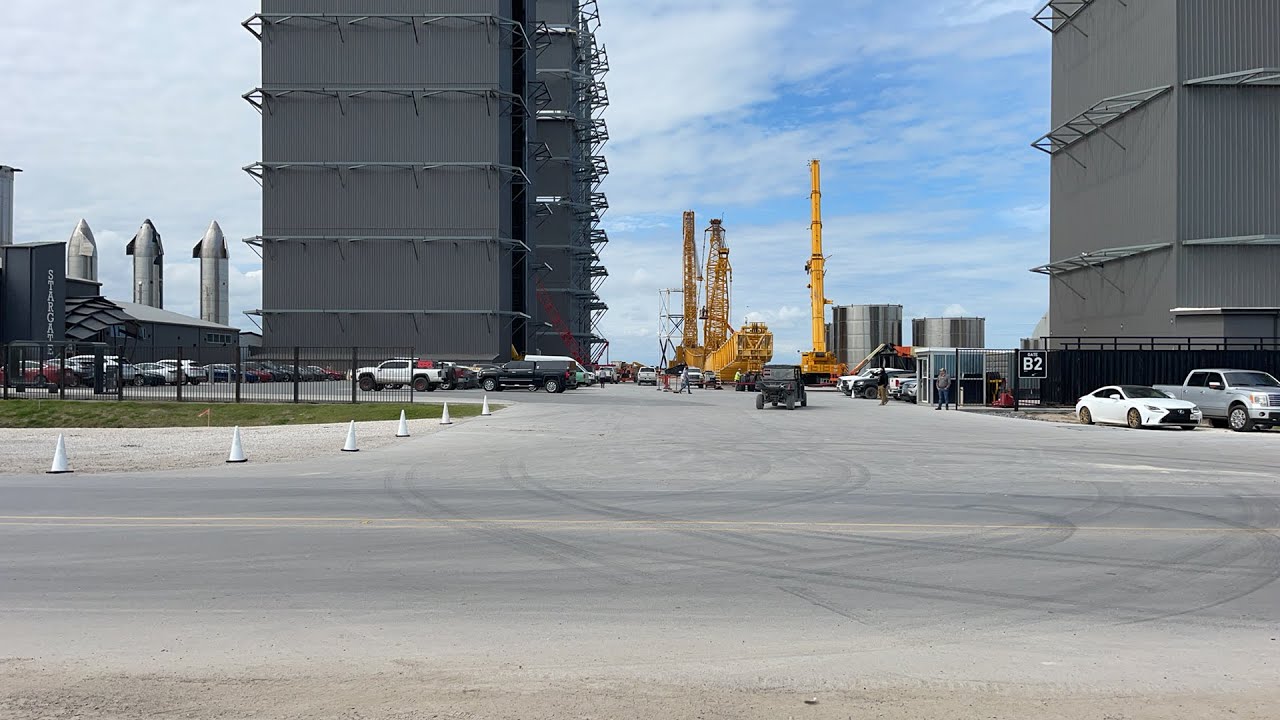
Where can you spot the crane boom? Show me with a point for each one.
(817, 264)
(690, 282)
(719, 276)
(818, 366)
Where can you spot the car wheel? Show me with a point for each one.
(490, 385)
(791, 402)
(760, 401)
(420, 384)
(1134, 418)
(804, 402)
(1086, 417)
(139, 381)
(195, 382)
(871, 393)
(446, 385)
(366, 384)
(1239, 419)
(552, 386)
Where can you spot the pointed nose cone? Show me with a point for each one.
(82, 253)
(146, 243)
(213, 246)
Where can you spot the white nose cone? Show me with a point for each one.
(148, 266)
(215, 298)
(82, 253)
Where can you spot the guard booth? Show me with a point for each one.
(978, 376)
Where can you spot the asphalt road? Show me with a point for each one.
(636, 537)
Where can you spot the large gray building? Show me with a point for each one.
(1165, 168)
(399, 151)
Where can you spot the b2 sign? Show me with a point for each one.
(1033, 364)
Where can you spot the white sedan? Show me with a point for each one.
(1136, 406)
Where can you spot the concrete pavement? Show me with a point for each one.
(624, 539)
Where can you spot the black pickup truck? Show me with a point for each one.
(551, 375)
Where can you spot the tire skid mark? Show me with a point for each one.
(813, 599)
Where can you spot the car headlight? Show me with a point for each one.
(1260, 399)
(1154, 409)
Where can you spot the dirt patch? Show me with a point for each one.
(39, 693)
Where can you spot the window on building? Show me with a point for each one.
(219, 338)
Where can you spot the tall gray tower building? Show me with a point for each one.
(6, 203)
(396, 171)
(148, 266)
(568, 238)
(1165, 168)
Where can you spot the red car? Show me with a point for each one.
(36, 374)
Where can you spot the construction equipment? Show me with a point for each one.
(818, 366)
(715, 314)
(689, 352)
(884, 349)
(746, 351)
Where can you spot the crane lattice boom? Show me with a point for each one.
(719, 277)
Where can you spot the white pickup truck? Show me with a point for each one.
(422, 375)
(1239, 399)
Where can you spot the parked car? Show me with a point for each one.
(319, 374)
(168, 374)
(710, 380)
(1137, 406)
(554, 376)
(606, 374)
(223, 372)
(907, 390)
(422, 375)
(46, 375)
(263, 372)
(896, 381)
(866, 387)
(1239, 399)
(192, 373)
(646, 376)
(695, 377)
(84, 364)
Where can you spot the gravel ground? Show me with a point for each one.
(97, 450)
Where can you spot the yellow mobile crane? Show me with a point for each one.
(817, 366)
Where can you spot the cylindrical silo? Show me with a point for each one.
(859, 329)
(949, 332)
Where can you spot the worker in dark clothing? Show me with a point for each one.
(882, 387)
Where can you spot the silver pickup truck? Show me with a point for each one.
(1239, 399)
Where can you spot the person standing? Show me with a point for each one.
(943, 386)
(882, 387)
(684, 381)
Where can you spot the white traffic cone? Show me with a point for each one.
(444, 417)
(484, 409)
(237, 450)
(403, 430)
(59, 459)
(351, 439)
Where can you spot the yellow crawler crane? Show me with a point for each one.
(689, 351)
(729, 352)
(817, 366)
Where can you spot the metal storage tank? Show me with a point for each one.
(857, 330)
(949, 332)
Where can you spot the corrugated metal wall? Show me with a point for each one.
(949, 332)
(456, 298)
(1199, 162)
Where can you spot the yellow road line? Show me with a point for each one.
(409, 523)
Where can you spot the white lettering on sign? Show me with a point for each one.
(49, 315)
(1032, 365)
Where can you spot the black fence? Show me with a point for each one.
(291, 375)
(1075, 373)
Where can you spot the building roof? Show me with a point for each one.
(146, 313)
(88, 316)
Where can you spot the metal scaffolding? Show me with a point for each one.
(581, 105)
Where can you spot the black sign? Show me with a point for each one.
(1033, 364)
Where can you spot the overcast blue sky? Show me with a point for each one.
(121, 110)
